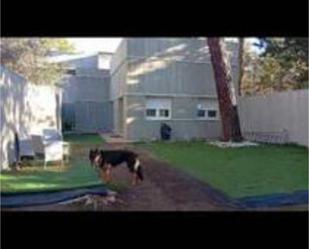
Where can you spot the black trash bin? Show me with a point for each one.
(165, 131)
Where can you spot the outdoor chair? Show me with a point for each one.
(53, 146)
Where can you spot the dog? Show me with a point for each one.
(105, 160)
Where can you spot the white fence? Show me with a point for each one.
(277, 118)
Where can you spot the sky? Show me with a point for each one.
(92, 45)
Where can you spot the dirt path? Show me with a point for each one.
(166, 188)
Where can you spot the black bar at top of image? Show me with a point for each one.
(120, 19)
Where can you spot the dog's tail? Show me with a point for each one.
(138, 169)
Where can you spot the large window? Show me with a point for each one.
(158, 108)
(208, 112)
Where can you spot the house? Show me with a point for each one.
(26, 109)
(170, 80)
(86, 107)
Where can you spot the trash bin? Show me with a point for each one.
(165, 131)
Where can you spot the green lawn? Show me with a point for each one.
(77, 174)
(240, 172)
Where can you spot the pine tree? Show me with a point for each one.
(225, 90)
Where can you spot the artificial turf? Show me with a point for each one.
(77, 173)
(52, 178)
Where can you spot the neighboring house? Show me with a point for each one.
(25, 110)
(170, 80)
(85, 88)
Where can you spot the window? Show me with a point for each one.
(158, 108)
(207, 112)
(212, 113)
(164, 113)
(151, 112)
(201, 113)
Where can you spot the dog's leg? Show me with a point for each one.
(134, 179)
(108, 173)
(103, 175)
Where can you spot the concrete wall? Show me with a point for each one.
(93, 116)
(171, 77)
(171, 66)
(161, 65)
(88, 85)
(69, 89)
(116, 118)
(118, 87)
(119, 56)
(83, 62)
(26, 109)
(184, 123)
(118, 81)
(86, 97)
(92, 89)
(177, 49)
(275, 113)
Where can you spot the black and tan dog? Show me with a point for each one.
(105, 160)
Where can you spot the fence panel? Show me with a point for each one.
(276, 118)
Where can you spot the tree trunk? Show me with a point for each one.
(240, 64)
(225, 91)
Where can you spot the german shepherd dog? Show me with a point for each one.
(105, 160)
